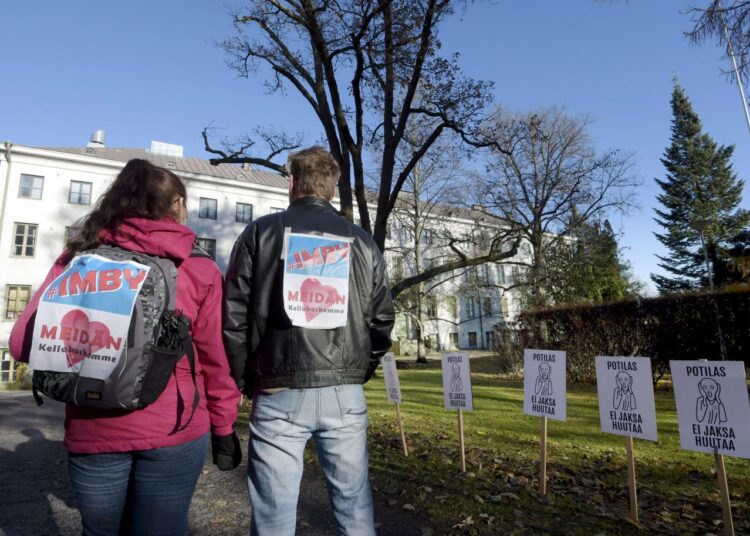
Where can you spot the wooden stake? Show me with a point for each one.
(461, 440)
(726, 504)
(543, 459)
(631, 480)
(401, 427)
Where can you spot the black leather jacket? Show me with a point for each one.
(265, 350)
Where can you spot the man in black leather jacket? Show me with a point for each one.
(307, 316)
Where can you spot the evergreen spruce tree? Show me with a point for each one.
(699, 186)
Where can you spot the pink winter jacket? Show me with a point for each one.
(199, 294)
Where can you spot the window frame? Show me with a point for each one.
(207, 215)
(79, 193)
(469, 337)
(25, 245)
(6, 301)
(237, 213)
(203, 243)
(5, 352)
(20, 186)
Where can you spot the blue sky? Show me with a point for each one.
(146, 70)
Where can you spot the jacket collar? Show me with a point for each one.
(311, 200)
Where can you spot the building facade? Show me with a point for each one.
(45, 191)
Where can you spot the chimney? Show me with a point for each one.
(247, 166)
(97, 139)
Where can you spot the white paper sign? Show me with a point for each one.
(316, 279)
(626, 396)
(712, 406)
(544, 384)
(83, 317)
(392, 387)
(457, 381)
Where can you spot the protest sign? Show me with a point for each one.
(83, 317)
(457, 392)
(457, 381)
(316, 279)
(392, 386)
(626, 407)
(713, 413)
(393, 391)
(544, 384)
(544, 388)
(626, 396)
(712, 406)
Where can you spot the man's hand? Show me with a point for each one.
(226, 451)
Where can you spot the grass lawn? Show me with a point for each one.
(587, 474)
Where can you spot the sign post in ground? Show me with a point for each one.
(713, 411)
(457, 392)
(393, 391)
(544, 387)
(626, 407)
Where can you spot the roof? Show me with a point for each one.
(183, 164)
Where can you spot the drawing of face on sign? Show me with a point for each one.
(544, 380)
(624, 398)
(456, 384)
(709, 408)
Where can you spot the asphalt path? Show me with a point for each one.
(36, 498)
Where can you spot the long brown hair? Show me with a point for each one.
(140, 190)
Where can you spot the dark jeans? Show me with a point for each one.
(143, 492)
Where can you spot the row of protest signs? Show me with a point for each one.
(711, 398)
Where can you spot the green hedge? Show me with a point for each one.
(672, 327)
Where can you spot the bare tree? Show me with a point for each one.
(547, 174)
(360, 65)
(728, 23)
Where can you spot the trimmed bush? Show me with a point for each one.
(671, 327)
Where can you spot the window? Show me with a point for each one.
(486, 273)
(487, 305)
(454, 339)
(80, 193)
(31, 187)
(501, 274)
(16, 298)
(427, 237)
(274, 210)
(244, 213)
(470, 308)
(504, 306)
(207, 208)
(398, 269)
(208, 245)
(7, 369)
(24, 240)
(472, 339)
(431, 307)
(515, 275)
(488, 341)
(526, 248)
(388, 231)
(452, 306)
(71, 233)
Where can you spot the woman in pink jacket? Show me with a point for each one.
(135, 471)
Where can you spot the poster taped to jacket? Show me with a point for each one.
(316, 279)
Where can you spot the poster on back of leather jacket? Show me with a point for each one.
(316, 279)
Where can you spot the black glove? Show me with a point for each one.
(226, 451)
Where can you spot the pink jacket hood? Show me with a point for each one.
(162, 238)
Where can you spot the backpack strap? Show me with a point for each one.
(187, 345)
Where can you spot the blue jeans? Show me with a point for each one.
(280, 425)
(142, 492)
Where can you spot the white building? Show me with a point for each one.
(46, 190)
